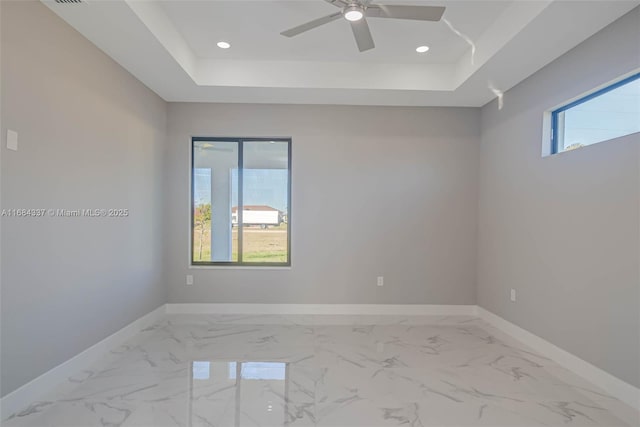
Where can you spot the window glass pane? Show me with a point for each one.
(214, 163)
(201, 214)
(265, 201)
(611, 115)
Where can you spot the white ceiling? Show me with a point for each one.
(171, 47)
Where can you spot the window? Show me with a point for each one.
(608, 113)
(240, 201)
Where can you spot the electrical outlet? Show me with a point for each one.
(12, 140)
(380, 281)
(513, 295)
(189, 279)
(380, 347)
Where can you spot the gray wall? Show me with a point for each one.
(376, 191)
(564, 230)
(91, 136)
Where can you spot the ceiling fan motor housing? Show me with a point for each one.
(353, 12)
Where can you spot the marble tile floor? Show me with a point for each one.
(223, 370)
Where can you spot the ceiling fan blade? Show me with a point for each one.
(311, 24)
(419, 13)
(362, 34)
(339, 3)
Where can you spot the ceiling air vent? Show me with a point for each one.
(69, 1)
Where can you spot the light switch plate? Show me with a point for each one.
(12, 140)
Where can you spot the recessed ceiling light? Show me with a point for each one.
(353, 13)
(224, 45)
(422, 49)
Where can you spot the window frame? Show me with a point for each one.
(555, 134)
(240, 141)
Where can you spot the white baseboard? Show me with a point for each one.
(320, 309)
(612, 385)
(39, 387)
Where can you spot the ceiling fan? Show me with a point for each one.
(357, 12)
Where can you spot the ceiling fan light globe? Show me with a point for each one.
(353, 13)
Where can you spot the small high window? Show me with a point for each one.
(240, 201)
(608, 113)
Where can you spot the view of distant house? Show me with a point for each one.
(260, 215)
